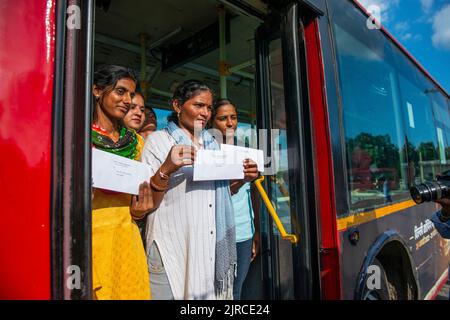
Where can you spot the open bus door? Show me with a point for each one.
(71, 263)
(290, 271)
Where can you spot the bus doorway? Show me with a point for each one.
(292, 266)
(245, 54)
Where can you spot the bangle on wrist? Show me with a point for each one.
(163, 175)
(156, 186)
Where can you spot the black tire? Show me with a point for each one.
(387, 290)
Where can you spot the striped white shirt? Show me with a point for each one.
(183, 226)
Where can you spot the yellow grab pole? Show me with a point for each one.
(291, 237)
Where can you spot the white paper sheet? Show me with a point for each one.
(112, 172)
(242, 153)
(216, 165)
(225, 164)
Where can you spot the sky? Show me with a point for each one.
(423, 28)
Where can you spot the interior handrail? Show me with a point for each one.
(287, 236)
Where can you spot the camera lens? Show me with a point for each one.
(425, 192)
(419, 193)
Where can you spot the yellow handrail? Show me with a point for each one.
(291, 237)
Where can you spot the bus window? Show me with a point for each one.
(422, 142)
(278, 173)
(446, 107)
(442, 121)
(372, 123)
(280, 177)
(246, 135)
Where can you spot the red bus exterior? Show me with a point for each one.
(329, 256)
(27, 65)
(31, 255)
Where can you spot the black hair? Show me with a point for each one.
(185, 91)
(138, 93)
(151, 111)
(219, 103)
(147, 111)
(107, 75)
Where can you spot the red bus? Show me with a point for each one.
(356, 121)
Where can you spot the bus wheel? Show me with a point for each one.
(385, 291)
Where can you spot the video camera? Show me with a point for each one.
(431, 190)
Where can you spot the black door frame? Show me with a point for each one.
(71, 264)
(71, 176)
(287, 24)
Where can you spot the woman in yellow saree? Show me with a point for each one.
(119, 261)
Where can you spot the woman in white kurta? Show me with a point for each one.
(190, 236)
(183, 227)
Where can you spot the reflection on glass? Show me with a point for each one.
(246, 135)
(396, 130)
(442, 120)
(422, 141)
(373, 126)
(280, 178)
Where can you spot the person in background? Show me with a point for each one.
(190, 236)
(119, 263)
(135, 117)
(441, 218)
(384, 185)
(150, 123)
(244, 198)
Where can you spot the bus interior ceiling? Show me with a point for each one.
(118, 29)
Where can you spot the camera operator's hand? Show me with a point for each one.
(445, 203)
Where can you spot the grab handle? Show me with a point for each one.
(287, 236)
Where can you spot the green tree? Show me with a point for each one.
(383, 152)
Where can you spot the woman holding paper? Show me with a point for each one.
(245, 199)
(190, 236)
(119, 262)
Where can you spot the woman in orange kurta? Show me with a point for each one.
(119, 262)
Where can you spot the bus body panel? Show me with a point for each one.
(26, 64)
(27, 69)
(430, 252)
(329, 246)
